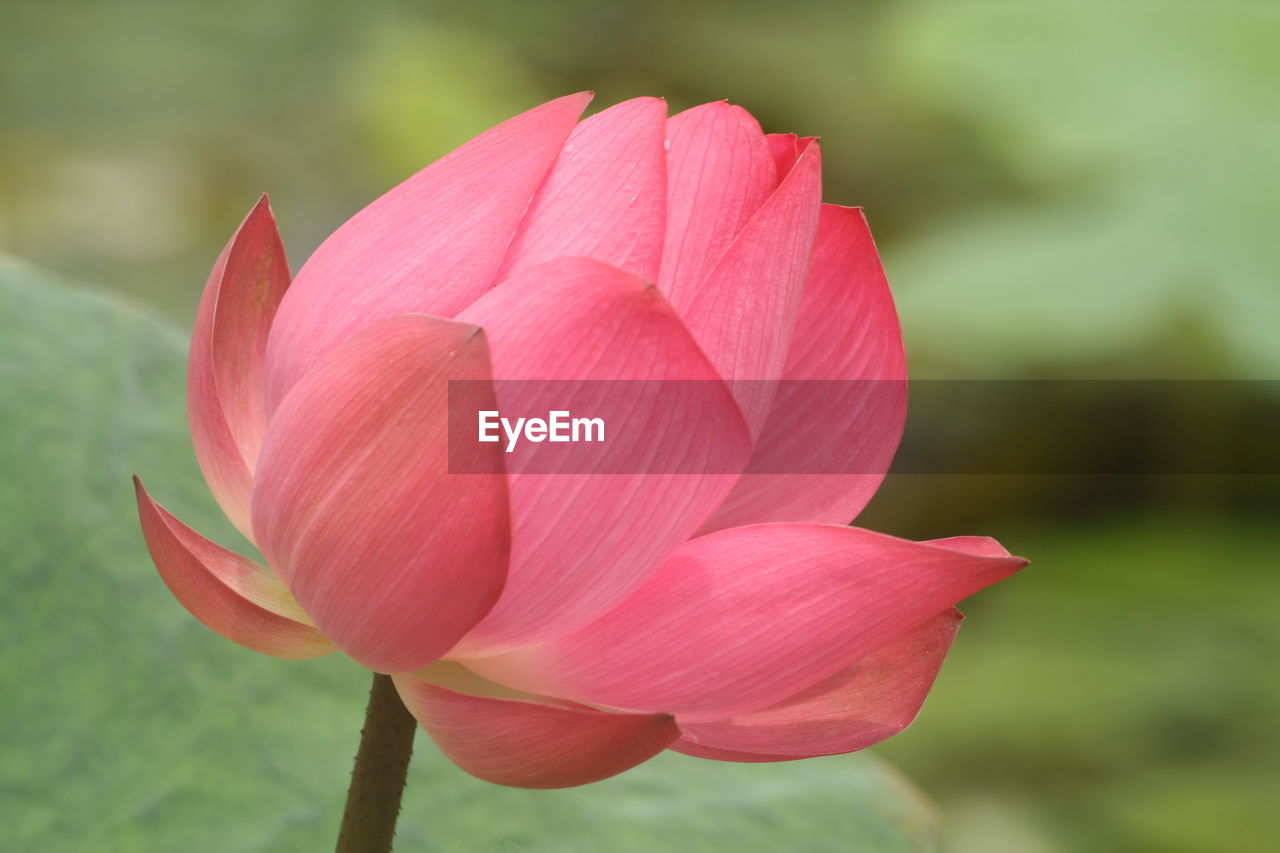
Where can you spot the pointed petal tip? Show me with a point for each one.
(733, 583)
(230, 594)
(461, 333)
(977, 546)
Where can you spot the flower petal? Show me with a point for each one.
(231, 594)
(743, 313)
(979, 546)
(875, 698)
(840, 410)
(743, 618)
(393, 556)
(786, 149)
(431, 245)
(226, 400)
(719, 172)
(531, 744)
(583, 540)
(605, 196)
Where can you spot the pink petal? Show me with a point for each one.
(743, 618)
(719, 171)
(743, 313)
(393, 556)
(875, 698)
(605, 196)
(226, 402)
(430, 246)
(531, 744)
(231, 594)
(582, 541)
(839, 413)
(786, 148)
(979, 546)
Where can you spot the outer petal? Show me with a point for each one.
(583, 541)
(875, 698)
(430, 246)
(719, 171)
(231, 594)
(743, 313)
(226, 401)
(840, 409)
(743, 618)
(393, 556)
(530, 744)
(605, 197)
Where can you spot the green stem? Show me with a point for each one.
(377, 782)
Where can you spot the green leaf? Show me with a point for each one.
(128, 726)
(1146, 129)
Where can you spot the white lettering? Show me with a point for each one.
(558, 427)
(558, 423)
(587, 424)
(512, 434)
(487, 423)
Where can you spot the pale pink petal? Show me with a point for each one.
(743, 313)
(719, 171)
(534, 744)
(605, 196)
(876, 698)
(584, 538)
(430, 246)
(743, 618)
(393, 556)
(226, 400)
(231, 594)
(840, 409)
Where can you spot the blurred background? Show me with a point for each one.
(1060, 189)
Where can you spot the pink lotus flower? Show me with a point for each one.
(555, 630)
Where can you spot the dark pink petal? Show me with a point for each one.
(394, 557)
(719, 171)
(430, 246)
(226, 400)
(583, 540)
(743, 618)
(875, 698)
(839, 413)
(743, 313)
(531, 744)
(605, 196)
(231, 594)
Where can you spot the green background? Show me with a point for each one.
(1060, 189)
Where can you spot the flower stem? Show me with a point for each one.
(377, 782)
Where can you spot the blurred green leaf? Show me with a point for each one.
(1118, 696)
(129, 726)
(415, 91)
(1147, 128)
